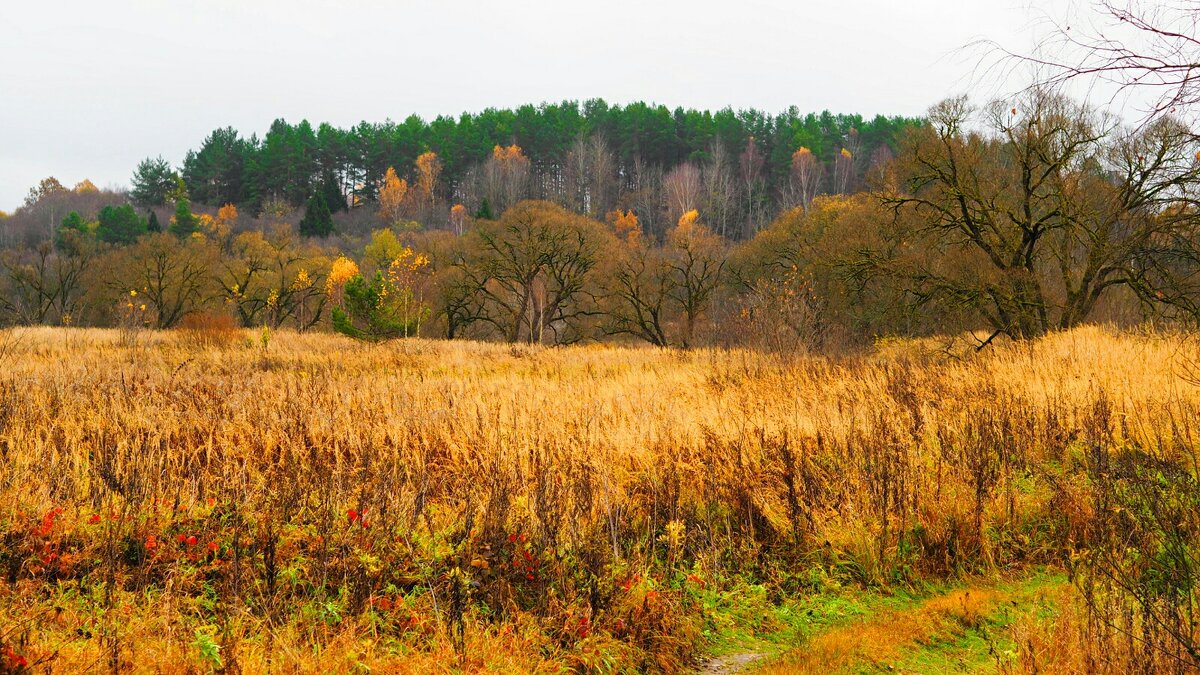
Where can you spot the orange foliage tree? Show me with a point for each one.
(458, 216)
(625, 226)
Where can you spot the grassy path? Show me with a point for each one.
(952, 630)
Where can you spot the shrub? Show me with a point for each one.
(207, 330)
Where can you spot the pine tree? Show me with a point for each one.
(66, 235)
(152, 223)
(317, 221)
(184, 224)
(152, 182)
(334, 199)
(485, 210)
(119, 225)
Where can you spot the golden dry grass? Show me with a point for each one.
(527, 508)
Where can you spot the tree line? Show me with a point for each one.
(590, 157)
(1012, 218)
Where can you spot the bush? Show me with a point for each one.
(209, 330)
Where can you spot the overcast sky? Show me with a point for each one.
(87, 89)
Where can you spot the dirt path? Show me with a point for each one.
(731, 663)
(885, 639)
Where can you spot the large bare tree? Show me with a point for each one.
(528, 275)
(1031, 219)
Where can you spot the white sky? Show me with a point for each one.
(87, 89)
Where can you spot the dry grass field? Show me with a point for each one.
(191, 501)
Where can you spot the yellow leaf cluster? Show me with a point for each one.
(342, 270)
(302, 281)
(689, 219)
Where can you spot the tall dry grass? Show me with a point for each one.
(305, 503)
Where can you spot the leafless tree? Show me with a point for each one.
(644, 195)
(1032, 223)
(682, 188)
(638, 293)
(528, 274)
(804, 179)
(1147, 49)
(720, 188)
(603, 176)
(696, 258)
(751, 163)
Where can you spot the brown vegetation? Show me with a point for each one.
(305, 502)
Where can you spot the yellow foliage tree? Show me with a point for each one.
(392, 196)
(206, 225)
(342, 271)
(85, 186)
(429, 167)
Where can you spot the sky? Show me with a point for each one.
(88, 89)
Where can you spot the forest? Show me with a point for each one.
(566, 223)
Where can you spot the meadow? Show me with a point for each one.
(195, 501)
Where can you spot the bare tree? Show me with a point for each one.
(602, 176)
(589, 176)
(638, 293)
(529, 274)
(1031, 224)
(696, 258)
(682, 188)
(47, 285)
(175, 277)
(751, 163)
(1137, 47)
(720, 188)
(804, 179)
(575, 176)
(644, 195)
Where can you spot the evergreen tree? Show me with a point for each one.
(333, 193)
(317, 221)
(152, 223)
(120, 225)
(152, 181)
(66, 235)
(485, 210)
(217, 173)
(185, 223)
